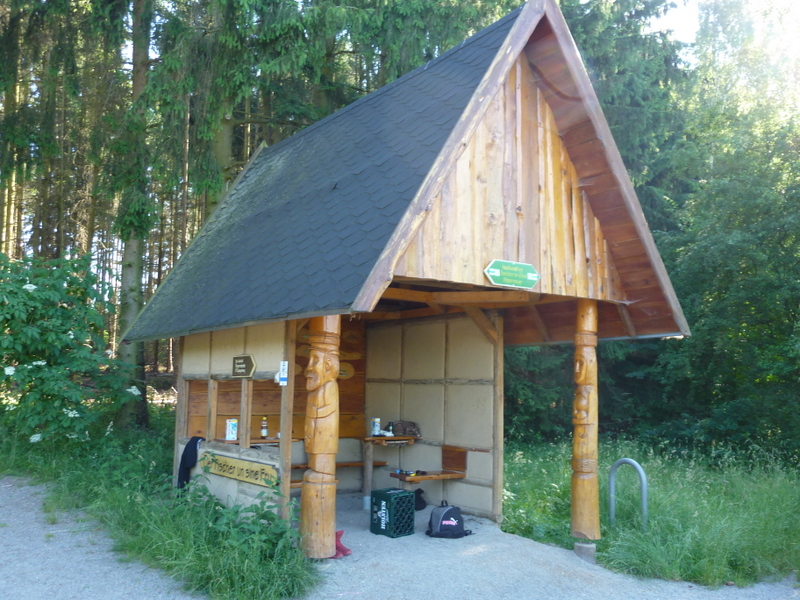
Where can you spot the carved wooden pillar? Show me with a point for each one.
(585, 491)
(318, 501)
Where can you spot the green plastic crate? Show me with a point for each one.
(392, 512)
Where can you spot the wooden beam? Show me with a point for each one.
(406, 314)
(484, 324)
(420, 296)
(461, 298)
(541, 326)
(585, 493)
(498, 425)
(181, 410)
(245, 413)
(211, 423)
(479, 297)
(625, 315)
(287, 410)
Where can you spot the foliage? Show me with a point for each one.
(538, 392)
(714, 517)
(736, 262)
(638, 75)
(124, 481)
(57, 379)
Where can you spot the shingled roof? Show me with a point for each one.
(315, 225)
(303, 226)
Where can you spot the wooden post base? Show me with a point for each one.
(318, 519)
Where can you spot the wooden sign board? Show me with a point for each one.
(512, 274)
(242, 470)
(243, 366)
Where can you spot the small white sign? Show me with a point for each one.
(283, 374)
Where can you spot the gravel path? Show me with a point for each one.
(64, 556)
(72, 559)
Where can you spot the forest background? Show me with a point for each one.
(123, 122)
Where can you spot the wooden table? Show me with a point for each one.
(368, 452)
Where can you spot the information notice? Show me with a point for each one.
(243, 470)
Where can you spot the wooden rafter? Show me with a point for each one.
(484, 324)
(540, 324)
(627, 320)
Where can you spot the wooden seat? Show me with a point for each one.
(454, 466)
(430, 475)
(351, 463)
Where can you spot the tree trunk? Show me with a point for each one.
(134, 410)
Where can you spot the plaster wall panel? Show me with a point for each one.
(265, 343)
(196, 353)
(474, 499)
(434, 491)
(424, 404)
(382, 401)
(299, 456)
(468, 415)
(349, 479)
(225, 344)
(469, 353)
(383, 352)
(381, 479)
(480, 466)
(423, 351)
(224, 489)
(421, 456)
(390, 454)
(349, 450)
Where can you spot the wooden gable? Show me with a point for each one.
(531, 174)
(514, 194)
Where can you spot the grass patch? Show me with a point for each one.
(724, 516)
(125, 483)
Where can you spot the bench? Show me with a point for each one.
(454, 466)
(351, 463)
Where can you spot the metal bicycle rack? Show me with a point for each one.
(612, 485)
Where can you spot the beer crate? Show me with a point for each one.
(392, 512)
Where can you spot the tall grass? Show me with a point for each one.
(124, 482)
(714, 517)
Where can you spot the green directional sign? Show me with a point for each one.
(512, 274)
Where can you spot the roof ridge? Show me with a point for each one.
(392, 84)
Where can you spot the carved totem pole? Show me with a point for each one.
(318, 502)
(585, 491)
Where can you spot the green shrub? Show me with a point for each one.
(57, 380)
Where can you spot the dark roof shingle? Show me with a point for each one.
(301, 230)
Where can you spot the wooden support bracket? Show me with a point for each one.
(540, 324)
(625, 315)
(482, 321)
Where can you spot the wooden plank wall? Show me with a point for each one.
(267, 394)
(514, 194)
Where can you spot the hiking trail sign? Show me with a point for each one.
(512, 274)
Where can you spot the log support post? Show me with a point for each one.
(318, 499)
(585, 490)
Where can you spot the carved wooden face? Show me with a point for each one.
(585, 359)
(323, 367)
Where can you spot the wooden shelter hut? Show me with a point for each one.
(478, 201)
